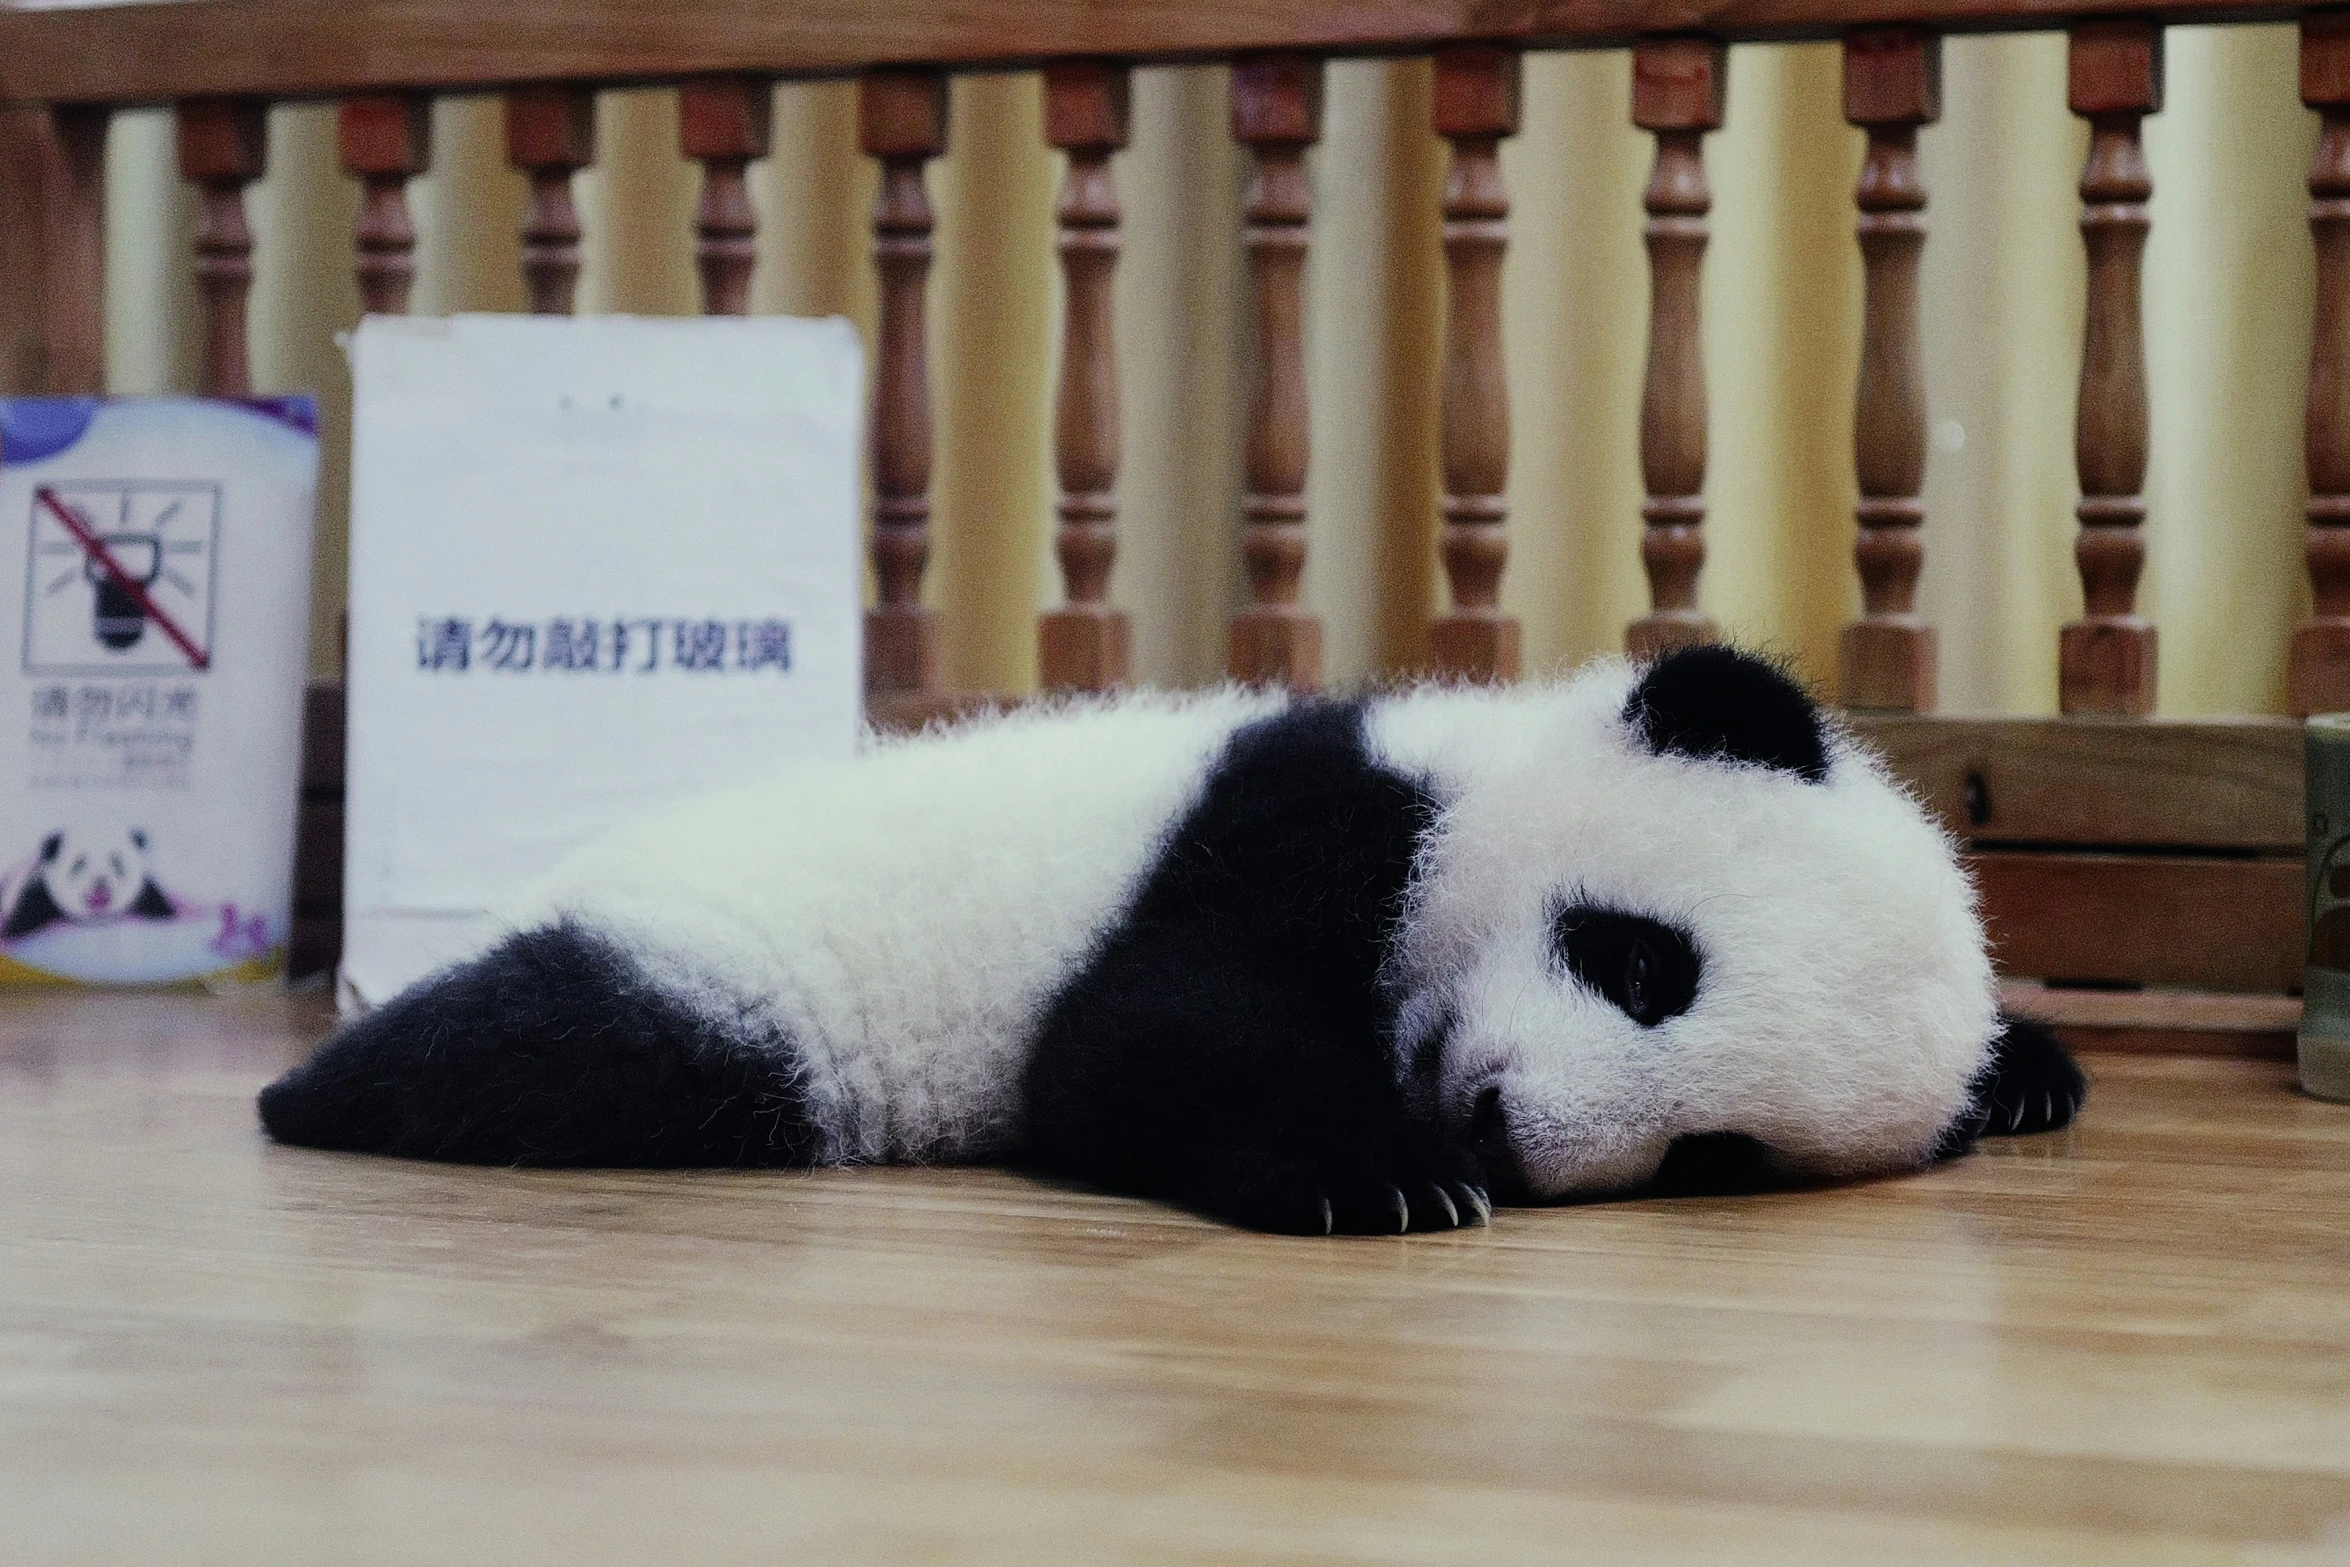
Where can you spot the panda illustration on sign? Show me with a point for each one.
(1305, 964)
(85, 879)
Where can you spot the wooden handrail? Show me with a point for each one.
(153, 51)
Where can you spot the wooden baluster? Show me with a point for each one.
(550, 135)
(73, 249)
(904, 124)
(2106, 658)
(1679, 88)
(2320, 672)
(1892, 85)
(386, 140)
(723, 121)
(1476, 106)
(223, 147)
(1277, 115)
(53, 256)
(1083, 645)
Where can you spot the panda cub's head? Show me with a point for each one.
(1680, 916)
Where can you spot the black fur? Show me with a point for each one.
(551, 1050)
(2030, 1085)
(1714, 1164)
(1229, 1045)
(1650, 970)
(1717, 703)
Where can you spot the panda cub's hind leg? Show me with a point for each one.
(554, 1048)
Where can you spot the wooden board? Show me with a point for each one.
(24, 349)
(2147, 919)
(2204, 1011)
(2124, 1342)
(2220, 784)
(318, 834)
(2269, 1044)
(318, 856)
(148, 51)
(2160, 1022)
(323, 737)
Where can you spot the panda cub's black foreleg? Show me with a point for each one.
(2031, 1084)
(554, 1048)
(1229, 1045)
(1179, 1074)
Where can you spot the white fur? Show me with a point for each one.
(1846, 1000)
(904, 918)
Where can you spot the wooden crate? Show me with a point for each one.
(2144, 878)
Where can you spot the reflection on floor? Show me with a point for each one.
(2127, 1340)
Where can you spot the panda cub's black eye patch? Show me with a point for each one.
(1647, 968)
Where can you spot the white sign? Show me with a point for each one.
(151, 710)
(597, 564)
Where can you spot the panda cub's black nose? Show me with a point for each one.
(1713, 1164)
(1489, 1122)
(1488, 1137)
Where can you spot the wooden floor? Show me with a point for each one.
(2127, 1342)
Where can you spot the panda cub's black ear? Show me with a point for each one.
(1716, 702)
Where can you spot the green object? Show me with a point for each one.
(2325, 1017)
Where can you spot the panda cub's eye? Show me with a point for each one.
(1647, 968)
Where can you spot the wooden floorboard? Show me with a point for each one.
(2130, 1341)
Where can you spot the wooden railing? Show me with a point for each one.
(2072, 894)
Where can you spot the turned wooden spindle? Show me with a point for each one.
(1476, 106)
(385, 140)
(2106, 658)
(223, 147)
(1083, 645)
(73, 249)
(903, 122)
(1679, 88)
(550, 136)
(2319, 679)
(1892, 85)
(723, 123)
(1277, 115)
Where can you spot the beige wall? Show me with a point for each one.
(2227, 287)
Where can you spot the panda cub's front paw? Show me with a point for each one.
(1431, 1188)
(2032, 1084)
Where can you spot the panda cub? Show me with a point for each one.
(1305, 964)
